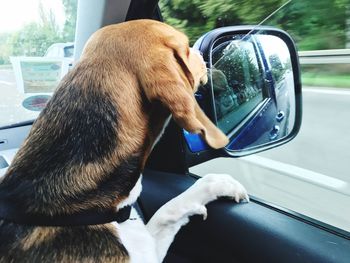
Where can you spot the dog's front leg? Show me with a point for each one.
(168, 220)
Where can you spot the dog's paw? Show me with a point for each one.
(193, 200)
(197, 209)
(212, 186)
(178, 212)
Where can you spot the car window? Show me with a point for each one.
(309, 175)
(36, 51)
(53, 51)
(235, 78)
(69, 51)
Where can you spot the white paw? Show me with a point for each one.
(197, 209)
(179, 211)
(193, 200)
(213, 186)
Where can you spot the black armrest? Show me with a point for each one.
(241, 232)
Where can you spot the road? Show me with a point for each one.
(11, 109)
(309, 175)
(323, 142)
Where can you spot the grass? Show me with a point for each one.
(325, 80)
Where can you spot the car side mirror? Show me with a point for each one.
(253, 95)
(254, 92)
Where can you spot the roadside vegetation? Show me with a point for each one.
(325, 80)
(335, 75)
(302, 19)
(34, 38)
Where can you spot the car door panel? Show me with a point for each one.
(12, 137)
(246, 232)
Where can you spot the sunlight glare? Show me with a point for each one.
(16, 13)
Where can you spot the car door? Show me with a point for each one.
(261, 231)
(292, 217)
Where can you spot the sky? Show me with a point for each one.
(274, 45)
(16, 13)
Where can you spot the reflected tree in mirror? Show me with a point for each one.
(253, 88)
(236, 84)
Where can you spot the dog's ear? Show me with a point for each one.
(182, 55)
(169, 80)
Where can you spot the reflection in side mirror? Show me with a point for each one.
(254, 90)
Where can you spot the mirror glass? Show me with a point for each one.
(253, 86)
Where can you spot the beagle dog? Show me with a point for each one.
(82, 161)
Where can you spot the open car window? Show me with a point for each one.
(309, 175)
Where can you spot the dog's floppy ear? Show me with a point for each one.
(181, 54)
(169, 80)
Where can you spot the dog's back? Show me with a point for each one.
(71, 161)
(50, 175)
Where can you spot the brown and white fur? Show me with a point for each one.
(88, 148)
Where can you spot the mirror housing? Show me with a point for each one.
(254, 92)
(177, 150)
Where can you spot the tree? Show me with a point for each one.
(346, 5)
(196, 17)
(4, 48)
(34, 38)
(70, 9)
(314, 24)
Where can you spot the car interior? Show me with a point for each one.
(247, 232)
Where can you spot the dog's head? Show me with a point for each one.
(163, 66)
(166, 68)
(171, 72)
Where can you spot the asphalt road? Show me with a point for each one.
(323, 143)
(11, 109)
(309, 175)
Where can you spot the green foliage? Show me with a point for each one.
(4, 48)
(186, 16)
(70, 9)
(313, 24)
(277, 68)
(34, 39)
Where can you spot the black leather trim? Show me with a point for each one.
(241, 232)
